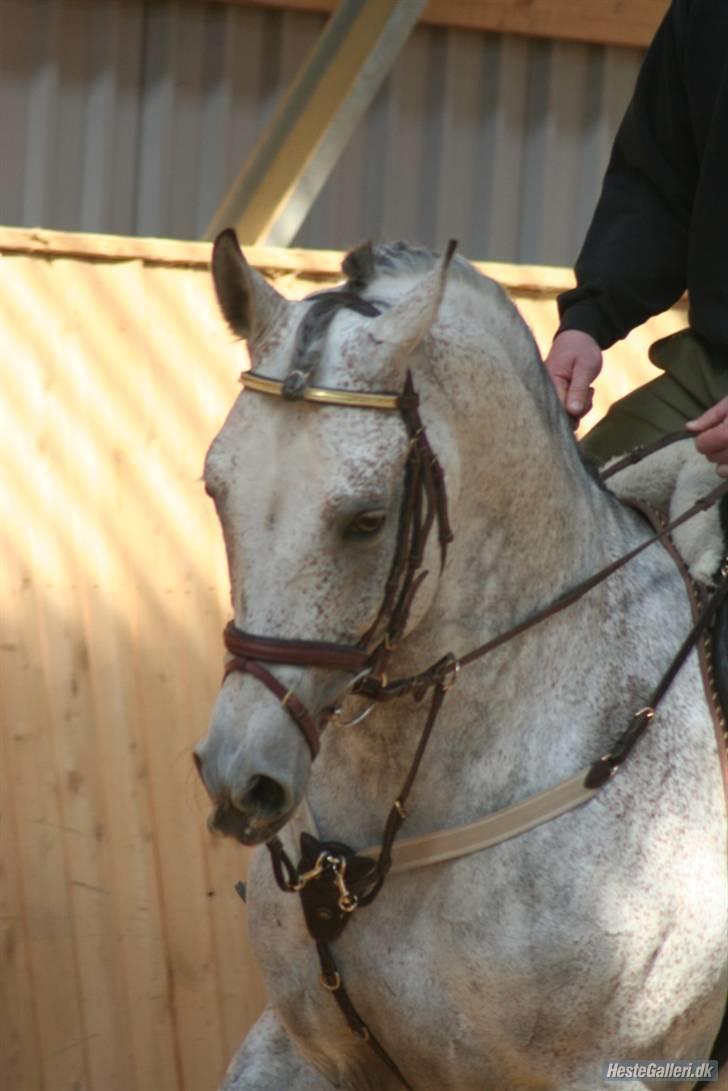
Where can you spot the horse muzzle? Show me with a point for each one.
(251, 815)
(257, 817)
(254, 766)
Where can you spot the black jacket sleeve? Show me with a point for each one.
(633, 263)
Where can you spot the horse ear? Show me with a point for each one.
(410, 318)
(248, 302)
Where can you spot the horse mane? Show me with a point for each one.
(366, 263)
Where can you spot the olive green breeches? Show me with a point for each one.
(695, 378)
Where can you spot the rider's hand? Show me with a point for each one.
(712, 435)
(573, 363)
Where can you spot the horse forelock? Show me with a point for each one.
(313, 329)
(363, 267)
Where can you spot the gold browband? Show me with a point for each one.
(358, 399)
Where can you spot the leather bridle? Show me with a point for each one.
(331, 879)
(424, 503)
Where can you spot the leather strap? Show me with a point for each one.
(294, 653)
(637, 454)
(703, 617)
(502, 825)
(699, 600)
(719, 721)
(422, 681)
(332, 980)
(541, 807)
(295, 708)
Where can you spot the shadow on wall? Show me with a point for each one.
(125, 963)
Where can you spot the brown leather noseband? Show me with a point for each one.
(424, 502)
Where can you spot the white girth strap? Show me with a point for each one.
(434, 848)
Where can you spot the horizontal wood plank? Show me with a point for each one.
(608, 22)
(310, 264)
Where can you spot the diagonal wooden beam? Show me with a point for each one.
(313, 124)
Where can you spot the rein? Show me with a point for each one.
(331, 879)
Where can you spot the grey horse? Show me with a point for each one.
(599, 935)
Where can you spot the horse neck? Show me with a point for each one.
(522, 536)
(529, 522)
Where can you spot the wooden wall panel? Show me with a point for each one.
(125, 965)
(123, 959)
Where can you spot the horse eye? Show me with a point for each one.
(366, 524)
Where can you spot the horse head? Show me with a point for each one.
(312, 497)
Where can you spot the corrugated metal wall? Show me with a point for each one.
(134, 117)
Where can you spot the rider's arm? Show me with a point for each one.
(633, 263)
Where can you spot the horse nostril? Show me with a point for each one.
(264, 795)
(198, 764)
